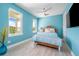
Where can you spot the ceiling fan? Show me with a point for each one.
(45, 11)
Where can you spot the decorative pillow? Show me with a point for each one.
(52, 30)
(47, 29)
(42, 30)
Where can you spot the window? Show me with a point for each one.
(34, 26)
(15, 22)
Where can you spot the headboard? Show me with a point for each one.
(49, 29)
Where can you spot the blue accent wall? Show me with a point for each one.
(73, 39)
(56, 21)
(27, 22)
(72, 42)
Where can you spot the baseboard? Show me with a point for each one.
(72, 53)
(13, 45)
(70, 50)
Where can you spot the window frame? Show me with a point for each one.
(21, 20)
(35, 26)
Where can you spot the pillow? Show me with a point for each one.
(47, 29)
(42, 30)
(52, 30)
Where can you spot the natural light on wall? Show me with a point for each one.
(15, 22)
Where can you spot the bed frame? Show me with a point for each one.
(48, 45)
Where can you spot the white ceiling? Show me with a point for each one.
(37, 8)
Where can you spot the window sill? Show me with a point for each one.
(34, 32)
(16, 34)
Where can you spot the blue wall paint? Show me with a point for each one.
(71, 43)
(72, 39)
(3, 21)
(27, 22)
(55, 21)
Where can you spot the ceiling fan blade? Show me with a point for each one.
(46, 9)
(46, 14)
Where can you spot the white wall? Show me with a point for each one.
(65, 21)
(68, 20)
(64, 25)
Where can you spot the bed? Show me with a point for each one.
(73, 39)
(47, 38)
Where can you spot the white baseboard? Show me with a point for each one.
(70, 50)
(72, 53)
(13, 45)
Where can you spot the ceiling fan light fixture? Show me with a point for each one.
(45, 10)
(45, 14)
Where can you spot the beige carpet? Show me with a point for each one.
(28, 49)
